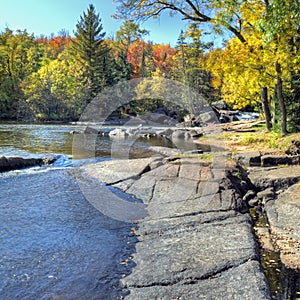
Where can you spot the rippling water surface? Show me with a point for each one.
(34, 140)
(54, 243)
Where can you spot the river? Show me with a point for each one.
(54, 243)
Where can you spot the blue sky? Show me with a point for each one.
(50, 16)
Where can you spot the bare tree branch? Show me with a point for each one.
(188, 10)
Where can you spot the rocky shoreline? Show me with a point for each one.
(197, 240)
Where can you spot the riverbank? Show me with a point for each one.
(197, 240)
(195, 233)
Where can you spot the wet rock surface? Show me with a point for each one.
(283, 216)
(277, 214)
(196, 241)
(15, 163)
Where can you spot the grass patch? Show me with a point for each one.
(251, 138)
(260, 140)
(204, 156)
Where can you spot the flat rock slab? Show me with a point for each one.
(195, 242)
(243, 282)
(284, 219)
(121, 171)
(277, 178)
(191, 252)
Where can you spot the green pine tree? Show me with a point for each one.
(92, 51)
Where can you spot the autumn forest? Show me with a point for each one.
(257, 68)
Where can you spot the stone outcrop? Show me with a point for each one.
(278, 193)
(258, 159)
(277, 178)
(196, 241)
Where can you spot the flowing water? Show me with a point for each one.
(54, 243)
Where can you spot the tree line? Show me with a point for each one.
(259, 64)
(54, 78)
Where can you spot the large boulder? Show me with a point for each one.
(208, 117)
(167, 133)
(91, 130)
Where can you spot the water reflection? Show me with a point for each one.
(37, 140)
(32, 140)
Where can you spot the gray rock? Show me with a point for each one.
(165, 133)
(91, 130)
(158, 118)
(191, 252)
(165, 150)
(114, 171)
(277, 178)
(13, 163)
(194, 242)
(226, 285)
(180, 135)
(269, 160)
(249, 195)
(249, 159)
(266, 195)
(253, 202)
(208, 117)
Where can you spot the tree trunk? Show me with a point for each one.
(281, 99)
(266, 107)
(274, 107)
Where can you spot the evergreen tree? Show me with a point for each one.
(92, 51)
